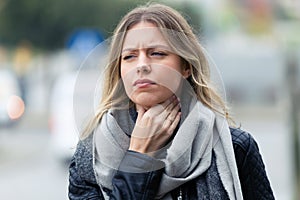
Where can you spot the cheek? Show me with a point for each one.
(123, 71)
(169, 78)
(127, 77)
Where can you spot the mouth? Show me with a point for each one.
(143, 83)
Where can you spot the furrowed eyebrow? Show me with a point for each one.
(148, 47)
(128, 49)
(165, 47)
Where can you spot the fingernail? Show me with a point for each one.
(179, 107)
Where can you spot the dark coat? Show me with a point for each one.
(143, 186)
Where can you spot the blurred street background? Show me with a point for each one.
(253, 44)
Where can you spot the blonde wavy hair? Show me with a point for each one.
(186, 46)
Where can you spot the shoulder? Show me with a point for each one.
(251, 168)
(82, 180)
(84, 146)
(84, 150)
(248, 158)
(245, 148)
(242, 139)
(83, 158)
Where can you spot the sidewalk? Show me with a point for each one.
(269, 127)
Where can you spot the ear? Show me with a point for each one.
(186, 72)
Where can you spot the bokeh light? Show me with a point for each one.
(15, 107)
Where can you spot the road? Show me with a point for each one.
(28, 169)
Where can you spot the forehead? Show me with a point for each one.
(142, 35)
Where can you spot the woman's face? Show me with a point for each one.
(150, 72)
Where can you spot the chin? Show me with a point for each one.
(149, 100)
(146, 102)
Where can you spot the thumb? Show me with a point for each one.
(141, 111)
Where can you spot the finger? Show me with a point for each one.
(167, 124)
(139, 121)
(174, 123)
(169, 101)
(172, 115)
(168, 121)
(160, 108)
(171, 109)
(141, 112)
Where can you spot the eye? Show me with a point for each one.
(128, 57)
(158, 53)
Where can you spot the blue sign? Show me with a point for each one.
(82, 41)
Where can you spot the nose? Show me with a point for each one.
(143, 65)
(144, 69)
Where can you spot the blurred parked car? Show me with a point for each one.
(71, 103)
(61, 122)
(11, 104)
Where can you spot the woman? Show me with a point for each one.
(161, 130)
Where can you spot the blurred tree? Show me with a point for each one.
(47, 24)
(256, 15)
(294, 93)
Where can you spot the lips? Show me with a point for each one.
(143, 83)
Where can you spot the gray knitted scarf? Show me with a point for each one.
(188, 156)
